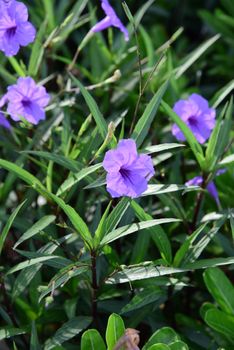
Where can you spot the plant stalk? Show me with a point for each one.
(94, 285)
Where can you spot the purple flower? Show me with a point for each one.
(195, 112)
(211, 188)
(4, 122)
(111, 19)
(127, 171)
(15, 30)
(26, 99)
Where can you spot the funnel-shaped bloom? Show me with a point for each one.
(110, 20)
(195, 112)
(211, 188)
(26, 99)
(15, 30)
(127, 171)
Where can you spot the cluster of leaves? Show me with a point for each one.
(71, 256)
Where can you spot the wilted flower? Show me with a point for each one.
(15, 30)
(4, 122)
(111, 19)
(127, 171)
(211, 188)
(26, 99)
(195, 112)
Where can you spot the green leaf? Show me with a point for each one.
(219, 138)
(220, 288)
(8, 332)
(187, 245)
(232, 224)
(100, 231)
(196, 54)
(157, 233)
(65, 162)
(149, 270)
(75, 178)
(143, 125)
(128, 229)
(68, 331)
(8, 225)
(160, 189)
(179, 345)
(100, 121)
(165, 335)
(161, 148)
(37, 51)
(159, 346)
(49, 8)
(37, 227)
(116, 215)
(62, 277)
(147, 296)
(34, 342)
(25, 276)
(221, 322)
(17, 67)
(222, 94)
(114, 331)
(227, 160)
(205, 307)
(31, 262)
(197, 242)
(91, 340)
(193, 143)
(22, 174)
(75, 219)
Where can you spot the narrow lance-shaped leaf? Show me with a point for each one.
(196, 54)
(31, 262)
(68, 331)
(26, 275)
(62, 277)
(100, 121)
(8, 332)
(75, 219)
(159, 189)
(219, 138)
(8, 225)
(65, 162)
(37, 227)
(157, 233)
(149, 270)
(128, 229)
(21, 173)
(75, 178)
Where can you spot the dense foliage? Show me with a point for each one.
(87, 261)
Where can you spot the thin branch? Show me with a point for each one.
(94, 286)
(144, 88)
(198, 202)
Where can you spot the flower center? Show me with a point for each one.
(26, 103)
(11, 31)
(125, 173)
(193, 120)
